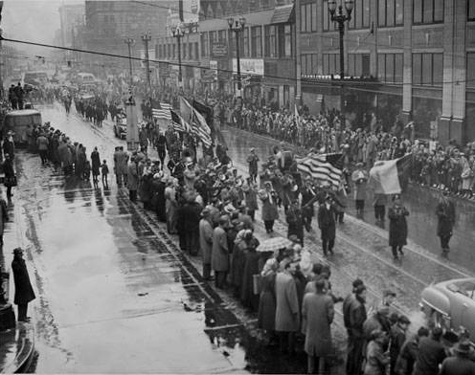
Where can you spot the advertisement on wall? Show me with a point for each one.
(191, 13)
(249, 66)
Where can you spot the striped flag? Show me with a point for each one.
(199, 127)
(390, 176)
(163, 112)
(323, 167)
(179, 124)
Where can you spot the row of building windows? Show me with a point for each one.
(427, 68)
(169, 51)
(390, 14)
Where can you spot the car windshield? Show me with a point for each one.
(466, 288)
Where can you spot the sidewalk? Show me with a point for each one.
(17, 345)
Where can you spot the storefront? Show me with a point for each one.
(426, 112)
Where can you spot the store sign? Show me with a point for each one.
(219, 50)
(250, 66)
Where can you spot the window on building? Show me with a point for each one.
(256, 41)
(390, 67)
(471, 69)
(471, 10)
(204, 44)
(303, 19)
(427, 69)
(174, 49)
(190, 51)
(328, 24)
(245, 43)
(308, 18)
(390, 13)
(331, 63)
(288, 40)
(270, 41)
(309, 64)
(360, 15)
(358, 64)
(428, 11)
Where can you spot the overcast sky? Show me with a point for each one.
(31, 20)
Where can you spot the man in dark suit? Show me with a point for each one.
(326, 223)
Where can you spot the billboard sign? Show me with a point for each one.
(249, 66)
(219, 49)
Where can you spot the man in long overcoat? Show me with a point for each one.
(188, 223)
(23, 290)
(206, 242)
(133, 179)
(326, 223)
(445, 212)
(120, 165)
(3, 217)
(397, 226)
(220, 252)
(317, 317)
(287, 318)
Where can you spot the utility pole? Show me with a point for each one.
(130, 42)
(147, 38)
(132, 128)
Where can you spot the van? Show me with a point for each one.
(86, 78)
(17, 122)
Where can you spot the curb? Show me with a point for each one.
(20, 340)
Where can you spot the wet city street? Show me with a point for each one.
(116, 295)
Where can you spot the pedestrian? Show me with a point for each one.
(397, 226)
(270, 213)
(408, 354)
(397, 338)
(42, 144)
(287, 315)
(24, 293)
(295, 221)
(267, 299)
(105, 174)
(220, 252)
(308, 199)
(206, 242)
(377, 359)
(133, 179)
(379, 204)
(460, 363)
(326, 223)
(431, 353)
(188, 223)
(445, 212)
(161, 145)
(250, 199)
(249, 297)
(120, 165)
(317, 317)
(356, 340)
(360, 179)
(10, 178)
(95, 165)
(9, 145)
(3, 217)
(253, 161)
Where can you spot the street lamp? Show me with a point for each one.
(178, 33)
(340, 19)
(237, 25)
(146, 38)
(130, 42)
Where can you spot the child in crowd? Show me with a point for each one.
(105, 173)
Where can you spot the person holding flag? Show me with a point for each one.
(397, 226)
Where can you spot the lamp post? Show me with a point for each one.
(340, 18)
(178, 33)
(237, 25)
(147, 38)
(130, 42)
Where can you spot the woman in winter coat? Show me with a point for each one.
(238, 262)
(267, 302)
(251, 267)
(377, 360)
(397, 226)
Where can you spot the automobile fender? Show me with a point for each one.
(436, 300)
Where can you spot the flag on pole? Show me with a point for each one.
(390, 176)
(163, 112)
(323, 167)
(179, 124)
(199, 127)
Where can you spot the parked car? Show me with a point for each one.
(120, 127)
(17, 121)
(451, 304)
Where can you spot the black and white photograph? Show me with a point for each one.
(237, 187)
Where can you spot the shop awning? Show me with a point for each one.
(282, 14)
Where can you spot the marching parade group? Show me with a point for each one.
(211, 206)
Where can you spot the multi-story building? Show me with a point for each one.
(108, 23)
(266, 46)
(413, 58)
(71, 17)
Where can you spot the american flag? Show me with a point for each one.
(323, 167)
(163, 112)
(199, 127)
(179, 124)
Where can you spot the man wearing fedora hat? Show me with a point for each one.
(252, 161)
(23, 290)
(206, 241)
(460, 363)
